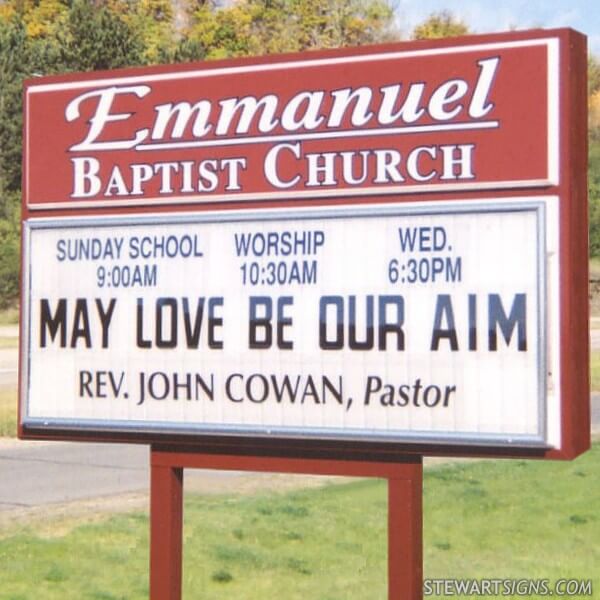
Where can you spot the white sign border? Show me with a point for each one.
(519, 204)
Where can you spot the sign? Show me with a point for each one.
(289, 324)
(343, 125)
(384, 249)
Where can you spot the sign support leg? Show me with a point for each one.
(166, 531)
(405, 533)
(405, 512)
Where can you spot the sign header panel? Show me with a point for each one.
(442, 118)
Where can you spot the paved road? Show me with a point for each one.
(36, 473)
(43, 474)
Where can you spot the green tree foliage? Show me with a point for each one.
(96, 38)
(594, 197)
(252, 27)
(594, 98)
(43, 19)
(152, 21)
(440, 25)
(593, 75)
(10, 211)
(12, 65)
(20, 57)
(594, 154)
(12, 41)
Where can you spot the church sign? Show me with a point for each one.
(379, 245)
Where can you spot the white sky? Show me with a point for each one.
(485, 16)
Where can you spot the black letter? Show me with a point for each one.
(517, 316)
(472, 322)
(264, 322)
(192, 336)
(81, 324)
(214, 322)
(396, 327)
(338, 343)
(162, 342)
(105, 318)
(228, 387)
(443, 309)
(371, 389)
(53, 323)
(85, 378)
(370, 334)
(282, 322)
(141, 342)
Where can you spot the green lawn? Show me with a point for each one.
(9, 342)
(595, 370)
(9, 316)
(594, 267)
(8, 413)
(491, 519)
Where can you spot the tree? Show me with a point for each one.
(335, 23)
(594, 198)
(154, 20)
(96, 37)
(594, 97)
(219, 33)
(440, 25)
(14, 67)
(42, 19)
(593, 74)
(12, 43)
(9, 247)
(253, 27)
(594, 154)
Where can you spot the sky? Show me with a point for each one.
(485, 16)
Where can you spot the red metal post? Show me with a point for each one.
(405, 533)
(166, 531)
(405, 520)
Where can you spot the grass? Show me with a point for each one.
(595, 370)
(492, 519)
(8, 412)
(594, 266)
(515, 519)
(9, 316)
(9, 342)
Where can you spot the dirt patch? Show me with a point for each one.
(55, 520)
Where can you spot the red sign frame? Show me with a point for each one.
(542, 152)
